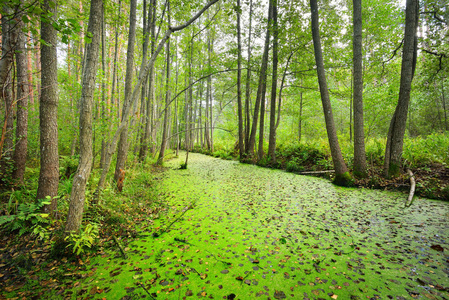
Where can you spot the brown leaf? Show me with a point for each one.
(437, 248)
(93, 290)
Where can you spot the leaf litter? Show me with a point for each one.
(236, 231)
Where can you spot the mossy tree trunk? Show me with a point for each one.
(395, 140)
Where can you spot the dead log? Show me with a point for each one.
(316, 172)
(412, 188)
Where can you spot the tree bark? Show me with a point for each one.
(20, 151)
(149, 103)
(248, 81)
(104, 105)
(359, 134)
(143, 93)
(48, 111)
(342, 176)
(239, 83)
(395, 140)
(274, 79)
(123, 144)
(81, 177)
(260, 96)
(6, 86)
(167, 100)
(114, 66)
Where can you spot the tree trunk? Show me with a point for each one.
(81, 177)
(167, 102)
(48, 111)
(359, 134)
(123, 144)
(30, 70)
(248, 81)
(208, 93)
(239, 83)
(443, 101)
(149, 103)
(260, 96)
(20, 151)
(104, 105)
(114, 66)
(274, 80)
(6, 70)
(143, 101)
(342, 176)
(300, 115)
(395, 140)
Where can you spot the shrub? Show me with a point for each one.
(28, 219)
(85, 239)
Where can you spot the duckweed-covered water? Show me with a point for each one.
(243, 232)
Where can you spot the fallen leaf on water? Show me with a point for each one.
(437, 248)
(279, 295)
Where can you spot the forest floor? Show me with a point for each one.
(224, 230)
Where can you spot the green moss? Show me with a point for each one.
(344, 179)
(394, 170)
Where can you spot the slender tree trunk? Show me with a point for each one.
(6, 87)
(20, 151)
(274, 79)
(30, 70)
(395, 140)
(149, 103)
(443, 101)
(260, 96)
(143, 101)
(239, 83)
(208, 93)
(248, 81)
(123, 144)
(104, 105)
(351, 101)
(359, 133)
(211, 119)
(81, 177)
(167, 102)
(300, 115)
(48, 111)
(114, 66)
(342, 176)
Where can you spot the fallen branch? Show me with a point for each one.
(157, 234)
(120, 247)
(317, 172)
(412, 188)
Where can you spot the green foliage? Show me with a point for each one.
(68, 165)
(28, 219)
(297, 157)
(375, 151)
(294, 165)
(421, 151)
(85, 239)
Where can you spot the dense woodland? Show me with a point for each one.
(96, 87)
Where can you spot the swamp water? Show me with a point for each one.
(236, 231)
